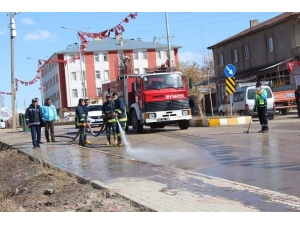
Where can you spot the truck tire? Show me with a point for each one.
(284, 111)
(184, 124)
(137, 128)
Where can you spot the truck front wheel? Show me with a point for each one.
(183, 124)
(137, 128)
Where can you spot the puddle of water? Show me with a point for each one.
(126, 142)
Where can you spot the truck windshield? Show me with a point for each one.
(162, 81)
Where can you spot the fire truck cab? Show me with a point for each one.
(156, 98)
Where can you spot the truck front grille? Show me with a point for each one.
(166, 105)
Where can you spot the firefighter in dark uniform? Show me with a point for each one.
(81, 120)
(108, 112)
(86, 110)
(260, 104)
(120, 113)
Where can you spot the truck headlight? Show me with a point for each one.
(185, 112)
(151, 115)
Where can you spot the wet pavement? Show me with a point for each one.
(152, 183)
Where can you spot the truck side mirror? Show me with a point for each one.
(134, 86)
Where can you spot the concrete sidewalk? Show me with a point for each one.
(156, 187)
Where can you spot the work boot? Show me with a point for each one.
(115, 140)
(120, 141)
(108, 139)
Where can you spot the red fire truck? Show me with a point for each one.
(156, 98)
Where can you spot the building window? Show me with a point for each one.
(221, 60)
(136, 55)
(73, 76)
(56, 78)
(105, 57)
(270, 45)
(137, 71)
(158, 55)
(96, 57)
(245, 52)
(106, 75)
(75, 94)
(144, 55)
(234, 55)
(57, 95)
(99, 91)
(97, 75)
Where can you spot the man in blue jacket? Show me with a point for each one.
(50, 116)
(33, 118)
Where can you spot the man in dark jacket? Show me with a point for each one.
(120, 113)
(86, 110)
(81, 120)
(33, 118)
(297, 96)
(108, 112)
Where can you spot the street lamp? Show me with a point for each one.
(80, 61)
(168, 37)
(13, 90)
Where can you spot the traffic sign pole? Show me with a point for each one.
(229, 71)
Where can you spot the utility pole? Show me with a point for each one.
(13, 90)
(168, 38)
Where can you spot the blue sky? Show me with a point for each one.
(39, 34)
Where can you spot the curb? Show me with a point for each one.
(213, 122)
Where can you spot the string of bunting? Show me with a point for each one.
(83, 45)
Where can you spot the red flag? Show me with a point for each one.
(116, 31)
(126, 20)
(290, 67)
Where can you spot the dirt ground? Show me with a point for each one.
(28, 186)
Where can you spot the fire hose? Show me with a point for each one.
(102, 129)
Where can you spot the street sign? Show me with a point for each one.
(229, 70)
(230, 85)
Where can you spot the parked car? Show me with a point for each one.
(2, 124)
(243, 100)
(95, 115)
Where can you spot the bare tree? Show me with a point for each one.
(193, 74)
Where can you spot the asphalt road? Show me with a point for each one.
(269, 161)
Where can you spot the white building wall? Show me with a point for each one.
(101, 66)
(73, 84)
(50, 80)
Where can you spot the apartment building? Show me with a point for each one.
(261, 52)
(101, 63)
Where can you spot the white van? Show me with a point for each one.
(2, 124)
(244, 97)
(95, 115)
